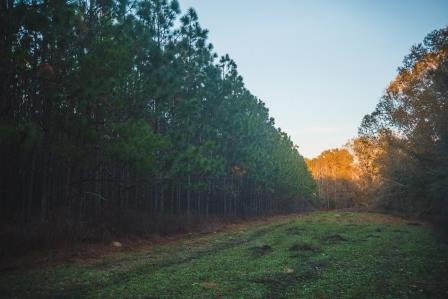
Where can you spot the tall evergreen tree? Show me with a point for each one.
(116, 106)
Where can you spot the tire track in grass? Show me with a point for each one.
(143, 269)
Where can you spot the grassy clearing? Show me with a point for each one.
(321, 255)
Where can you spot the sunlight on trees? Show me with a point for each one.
(337, 178)
(412, 121)
(399, 160)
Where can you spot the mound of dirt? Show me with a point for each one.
(262, 250)
(304, 247)
(294, 231)
(414, 223)
(335, 238)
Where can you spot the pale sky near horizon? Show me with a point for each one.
(319, 66)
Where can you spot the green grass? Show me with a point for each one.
(320, 255)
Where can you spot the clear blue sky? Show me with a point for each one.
(320, 66)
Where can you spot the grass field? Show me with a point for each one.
(319, 255)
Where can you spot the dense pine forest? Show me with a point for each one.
(136, 163)
(116, 114)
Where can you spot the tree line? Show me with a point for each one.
(336, 176)
(399, 161)
(409, 126)
(116, 106)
